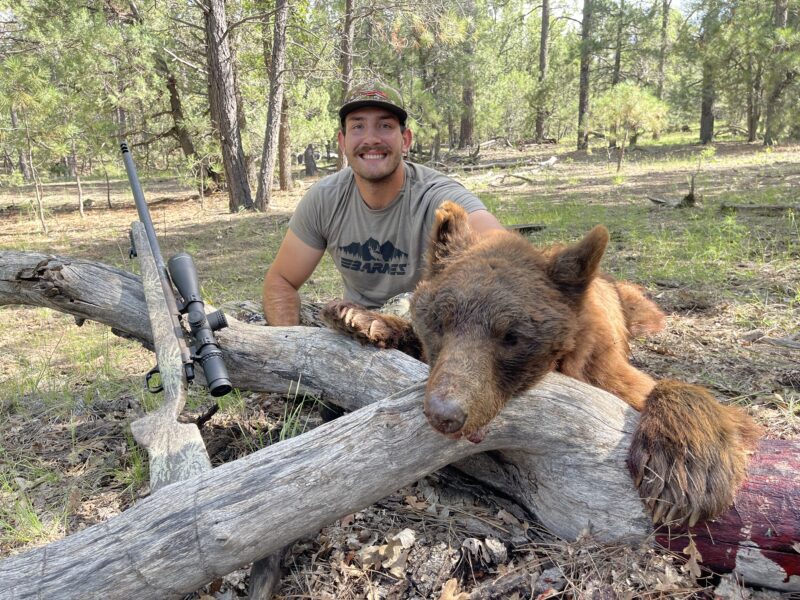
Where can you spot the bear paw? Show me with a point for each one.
(366, 326)
(689, 453)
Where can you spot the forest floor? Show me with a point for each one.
(728, 281)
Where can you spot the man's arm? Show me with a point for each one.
(481, 221)
(292, 266)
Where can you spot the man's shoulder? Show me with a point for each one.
(329, 190)
(340, 179)
(422, 175)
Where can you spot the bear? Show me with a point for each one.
(493, 314)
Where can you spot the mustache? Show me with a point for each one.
(368, 149)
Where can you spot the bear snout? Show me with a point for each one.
(445, 415)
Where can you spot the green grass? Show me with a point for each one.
(20, 522)
(134, 473)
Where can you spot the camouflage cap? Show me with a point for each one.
(374, 94)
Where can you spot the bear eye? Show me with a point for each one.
(510, 339)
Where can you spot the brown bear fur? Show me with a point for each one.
(493, 315)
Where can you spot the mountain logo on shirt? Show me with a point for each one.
(373, 257)
(372, 249)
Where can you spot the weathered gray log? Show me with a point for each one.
(195, 530)
(561, 450)
(767, 209)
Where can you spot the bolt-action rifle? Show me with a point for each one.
(176, 450)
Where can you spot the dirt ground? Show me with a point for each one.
(66, 464)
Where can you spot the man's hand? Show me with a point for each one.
(292, 266)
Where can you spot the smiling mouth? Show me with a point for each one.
(373, 156)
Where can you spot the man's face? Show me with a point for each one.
(374, 143)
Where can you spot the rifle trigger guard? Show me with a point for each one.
(150, 373)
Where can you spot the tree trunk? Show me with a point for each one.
(223, 105)
(568, 465)
(276, 76)
(708, 86)
(346, 64)
(467, 127)
(285, 150)
(179, 129)
(309, 162)
(37, 184)
(662, 48)
(708, 97)
(583, 92)
(24, 166)
(754, 99)
(622, 151)
(436, 148)
(780, 15)
(77, 176)
(771, 109)
(544, 55)
(615, 73)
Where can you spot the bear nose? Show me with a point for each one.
(445, 415)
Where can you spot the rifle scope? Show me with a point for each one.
(205, 349)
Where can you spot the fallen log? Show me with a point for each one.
(766, 209)
(566, 465)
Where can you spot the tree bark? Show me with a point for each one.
(616, 73)
(345, 64)
(224, 106)
(309, 162)
(754, 99)
(583, 92)
(662, 48)
(708, 86)
(708, 97)
(467, 127)
(276, 76)
(568, 465)
(285, 150)
(544, 55)
(179, 129)
(24, 165)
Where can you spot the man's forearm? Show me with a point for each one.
(281, 302)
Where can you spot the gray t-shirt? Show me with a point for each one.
(379, 253)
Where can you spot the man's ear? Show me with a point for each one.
(408, 137)
(340, 137)
(451, 235)
(573, 268)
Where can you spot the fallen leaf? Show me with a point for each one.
(347, 520)
(692, 565)
(413, 502)
(450, 591)
(407, 537)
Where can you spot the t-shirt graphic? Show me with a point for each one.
(374, 257)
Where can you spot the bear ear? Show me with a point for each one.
(451, 235)
(573, 268)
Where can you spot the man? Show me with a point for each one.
(373, 217)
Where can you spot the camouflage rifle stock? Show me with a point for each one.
(176, 450)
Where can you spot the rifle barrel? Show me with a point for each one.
(141, 206)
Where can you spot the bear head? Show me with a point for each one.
(494, 315)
